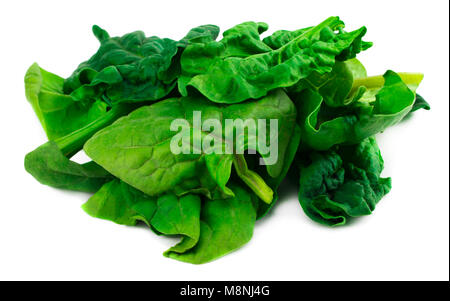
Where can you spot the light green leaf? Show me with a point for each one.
(58, 113)
(137, 148)
(225, 226)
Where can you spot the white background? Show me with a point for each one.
(45, 235)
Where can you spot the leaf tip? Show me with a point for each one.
(100, 33)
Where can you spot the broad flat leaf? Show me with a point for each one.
(208, 229)
(167, 214)
(225, 225)
(58, 113)
(118, 202)
(179, 216)
(50, 167)
(137, 148)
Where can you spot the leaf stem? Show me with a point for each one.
(73, 142)
(252, 179)
(412, 80)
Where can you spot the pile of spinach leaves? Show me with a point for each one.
(118, 107)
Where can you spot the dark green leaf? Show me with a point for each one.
(50, 167)
(132, 67)
(342, 183)
(420, 103)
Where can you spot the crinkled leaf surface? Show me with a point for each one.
(342, 183)
(334, 86)
(198, 196)
(281, 37)
(235, 79)
(241, 40)
(132, 67)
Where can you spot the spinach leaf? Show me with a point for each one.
(356, 68)
(49, 166)
(366, 115)
(145, 159)
(58, 113)
(132, 67)
(225, 225)
(241, 40)
(118, 202)
(235, 79)
(420, 103)
(209, 183)
(167, 214)
(50, 163)
(179, 216)
(342, 183)
(335, 86)
(209, 229)
(281, 37)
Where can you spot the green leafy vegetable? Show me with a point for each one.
(343, 183)
(225, 225)
(234, 79)
(50, 167)
(365, 115)
(420, 103)
(194, 137)
(145, 159)
(281, 37)
(240, 41)
(168, 214)
(58, 113)
(50, 163)
(132, 67)
(118, 202)
(217, 228)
